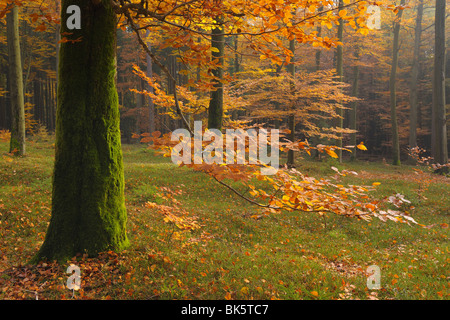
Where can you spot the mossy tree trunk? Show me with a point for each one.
(17, 141)
(88, 206)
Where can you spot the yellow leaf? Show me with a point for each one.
(214, 49)
(328, 24)
(244, 290)
(364, 31)
(376, 184)
(228, 296)
(331, 153)
(342, 13)
(361, 146)
(315, 293)
(235, 10)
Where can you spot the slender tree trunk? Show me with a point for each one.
(88, 205)
(236, 54)
(151, 105)
(318, 51)
(413, 96)
(353, 112)
(340, 74)
(215, 110)
(393, 89)
(17, 141)
(439, 123)
(291, 118)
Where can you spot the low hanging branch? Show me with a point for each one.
(290, 190)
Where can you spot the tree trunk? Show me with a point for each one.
(215, 110)
(393, 89)
(318, 51)
(340, 74)
(291, 119)
(353, 111)
(439, 124)
(236, 54)
(17, 141)
(413, 96)
(88, 205)
(151, 105)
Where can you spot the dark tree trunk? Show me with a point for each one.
(215, 110)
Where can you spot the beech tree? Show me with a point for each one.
(215, 110)
(17, 142)
(340, 72)
(415, 77)
(439, 122)
(88, 205)
(393, 87)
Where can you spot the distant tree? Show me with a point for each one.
(17, 141)
(291, 118)
(340, 73)
(439, 123)
(215, 110)
(413, 95)
(393, 87)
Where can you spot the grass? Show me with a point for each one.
(231, 256)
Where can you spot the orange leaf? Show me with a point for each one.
(41, 27)
(361, 146)
(331, 153)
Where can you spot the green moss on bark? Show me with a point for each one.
(88, 206)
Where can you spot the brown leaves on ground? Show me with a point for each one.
(47, 280)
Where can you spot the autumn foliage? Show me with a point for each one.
(290, 190)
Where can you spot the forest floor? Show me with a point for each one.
(221, 251)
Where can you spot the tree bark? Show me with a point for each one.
(17, 141)
(88, 205)
(340, 74)
(393, 88)
(439, 123)
(151, 105)
(291, 118)
(215, 110)
(353, 111)
(318, 53)
(413, 96)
